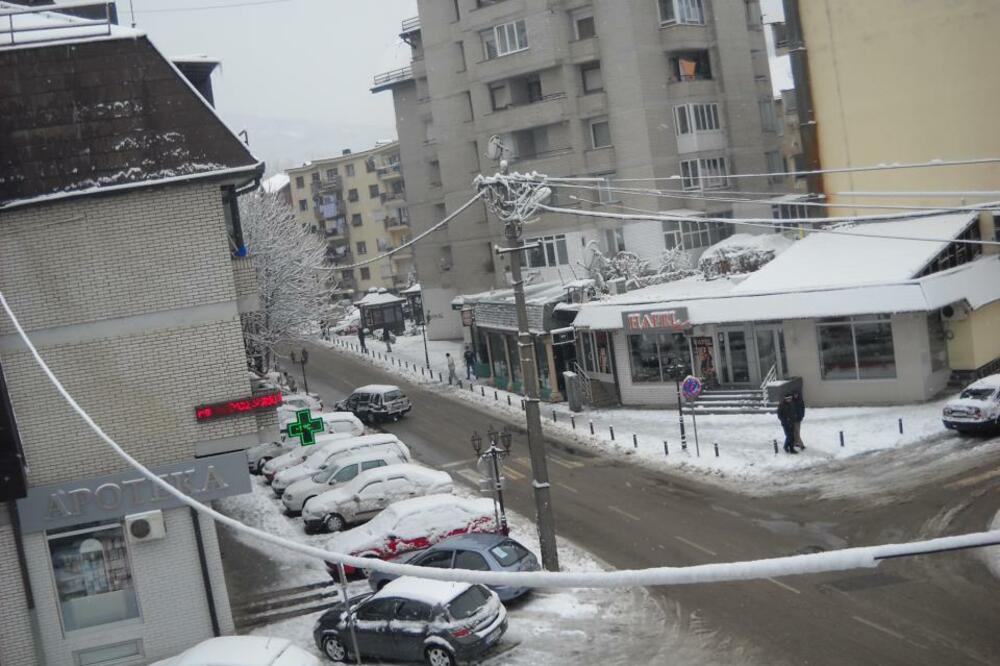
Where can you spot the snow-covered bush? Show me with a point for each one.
(741, 253)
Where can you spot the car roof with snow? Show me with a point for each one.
(431, 592)
(376, 388)
(335, 441)
(989, 381)
(408, 470)
(233, 651)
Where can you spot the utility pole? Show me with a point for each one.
(423, 331)
(513, 202)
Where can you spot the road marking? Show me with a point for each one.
(470, 476)
(972, 480)
(623, 513)
(787, 587)
(456, 463)
(569, 488)
(722, 509)
(568, 464)
(694, 545)
(879, 627)
(512, 473)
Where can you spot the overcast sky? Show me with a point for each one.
(296, 73)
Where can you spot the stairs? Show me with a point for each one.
(256, 610)
(731, 401)
(601, 395)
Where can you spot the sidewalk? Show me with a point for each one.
(737, 449)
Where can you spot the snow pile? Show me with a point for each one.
(742, 253)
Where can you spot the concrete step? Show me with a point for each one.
(729, 410)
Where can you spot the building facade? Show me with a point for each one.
(122, 256)
(356, 201)
(643, 89)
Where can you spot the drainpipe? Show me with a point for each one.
(803, 93)
(205, 578)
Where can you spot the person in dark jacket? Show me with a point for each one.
(786, 415)
(361, 339)
(470, 362)
(800, 413)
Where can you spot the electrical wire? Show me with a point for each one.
(167, 10)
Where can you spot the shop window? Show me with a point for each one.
(856, 348)
(652, 353)
(551, 251)
(938, 340)
(602, 352)
(93, 577)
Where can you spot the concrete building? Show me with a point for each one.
(866, 76)
(606, 88)
(122, 256)
(356, 200)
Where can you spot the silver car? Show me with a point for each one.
(339, 469)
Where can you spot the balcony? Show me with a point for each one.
(395, 224)
(327, 184)
(245, 280)
(393, 198)
(547, 110)
(409, 26)
(389, 172)
(387, 80)
(543, 155)
(779, 32)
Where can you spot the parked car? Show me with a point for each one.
(376, 402)
(411, 619)
(412, 524)
(365, 495)
(334, 423)
(478, 552)
(303, 401)
(322, 457)
(338, 469)
(242, 651)
(977, 408)
(299, 454)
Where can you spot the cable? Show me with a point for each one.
(206, 7)
(839, 560)
(409, 242)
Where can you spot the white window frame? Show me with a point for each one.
(590, 67)
(704, 173)
(605, 193)
(686, 12)
(551, 244)
(506, 39)
(579, 15)
(768, 118)
(697, 118)
(593, 135)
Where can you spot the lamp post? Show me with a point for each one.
(514, 201)
(495, 455)
(423, 331)
(302, 360)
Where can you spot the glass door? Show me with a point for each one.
(736, 361)
(770, 342)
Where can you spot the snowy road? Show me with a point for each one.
(933, 610)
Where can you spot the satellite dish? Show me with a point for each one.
(494, 147)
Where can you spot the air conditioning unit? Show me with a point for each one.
(954, 312)
(145, 526)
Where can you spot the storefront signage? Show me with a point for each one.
(117, 495)
(674, 320)
(240, 406)
(467, 317)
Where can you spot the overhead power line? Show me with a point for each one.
(200, 8)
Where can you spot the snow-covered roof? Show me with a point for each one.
(776, 243)
(831, 260)
(538, 294)
(412, 289)
(379, 298)
(275, 183)
(430, 592)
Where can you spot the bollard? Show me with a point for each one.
(716, 449)
(553, 416)
(900, 426)
(841, 441)
(421, 371)
(666, 451)
(775, 447)
(471, 387)
(591, 427)
(482, 391)
(635, 441)
(496, 396)
(611, 429)
(508, 400)
(522, 405)
(572, 421)
(440, 377)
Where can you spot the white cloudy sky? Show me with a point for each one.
(296, 73)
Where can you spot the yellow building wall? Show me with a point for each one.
(904, 81)
(976, 339)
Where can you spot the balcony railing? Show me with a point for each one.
(411, 24)
(396, 75)
(392, 196)
(18, 25)
(326, 184)
(543, 98)
(386, 170)
(395, 223)
(544, 154)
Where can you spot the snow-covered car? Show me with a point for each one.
(299, 454)
(412, 524)
(412, 619)
(476, 552)
(297, 401)
(334, 423)
(376, 402)
(323, 456)
(977, 408)
(339, 469)
(242, 651)
(365, 495)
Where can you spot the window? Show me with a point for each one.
(690, 118)
(366, 273)
(410, 610)
(93, 577)
(347, 275)
(315, 176)
(361, 247)
(704, 174)
(583, 24)
(856, 348)
(505, 39)
(508, 552)
(957, 253)
(300, 182)
(331, 173)
(590, 74)
(303, 205)
(349, 170)
(768, 119)
(467, 559)
(372, 464)
(614, 239)
(686, 235)
(775, 165)
(551, 251)
(499, 98)
(605, 191)
(378, 609)
(356, 220)
(373, 191)
(681, 11)
(438, 559)
(370, 165)
(345, 473)
(600, 133)
(652, 353)
(352, 194)
(690, 66)
(109, 654)
(938, 340)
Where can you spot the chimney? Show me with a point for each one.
(345, 151)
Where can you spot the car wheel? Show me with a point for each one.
(334, 649)
(334, 522)
(261, 463)
(439, 656)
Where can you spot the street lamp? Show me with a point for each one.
(514, 201)
(495, 456)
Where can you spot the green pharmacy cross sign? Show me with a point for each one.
(305, 427)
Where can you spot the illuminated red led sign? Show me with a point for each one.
(241, 406)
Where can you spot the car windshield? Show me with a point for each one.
(977, 393)
(508, 552)
(468, 603)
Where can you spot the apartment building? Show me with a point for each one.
(122, 256)
(356, 201)
(613, 89)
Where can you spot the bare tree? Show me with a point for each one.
(287, 257)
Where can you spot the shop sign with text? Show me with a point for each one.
(673, 320)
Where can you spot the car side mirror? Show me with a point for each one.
(357, 497)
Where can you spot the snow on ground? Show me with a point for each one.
(992, 555)
(746, 455)
(547, 627)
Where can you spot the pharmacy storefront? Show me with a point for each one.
(119, 569)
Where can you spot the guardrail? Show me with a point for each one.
(72, 25)
(411, 24)
(400, 74)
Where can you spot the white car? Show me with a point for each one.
(339, 469)
(303, 401)
(334, 423)
(369, 492)
(242, 651)
(977, 408)
(298, 454)
(376, 402)
(321, 457)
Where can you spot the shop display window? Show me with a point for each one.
(856, 348)
(652, 353)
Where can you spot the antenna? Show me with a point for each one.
(131, 9)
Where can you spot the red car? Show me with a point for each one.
(413, 524)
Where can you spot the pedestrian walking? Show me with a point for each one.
(786, 415)
(387, 339)
(470, 362)
(361, 339)
(452, 377)
(800, 413)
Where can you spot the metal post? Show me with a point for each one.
(680, 412)
(553, 416)
(666, 451)
(305, 381)
(423, 331)
(716, 449)
(635, 441)
(572, 421)
(611, 429)
(694, 424)
(900, 425)
(841, 441)
(776, 446)
(508, 400)
(494, 454)
(347, 611)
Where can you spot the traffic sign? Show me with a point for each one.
(691, 387)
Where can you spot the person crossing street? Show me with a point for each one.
(786, 415)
